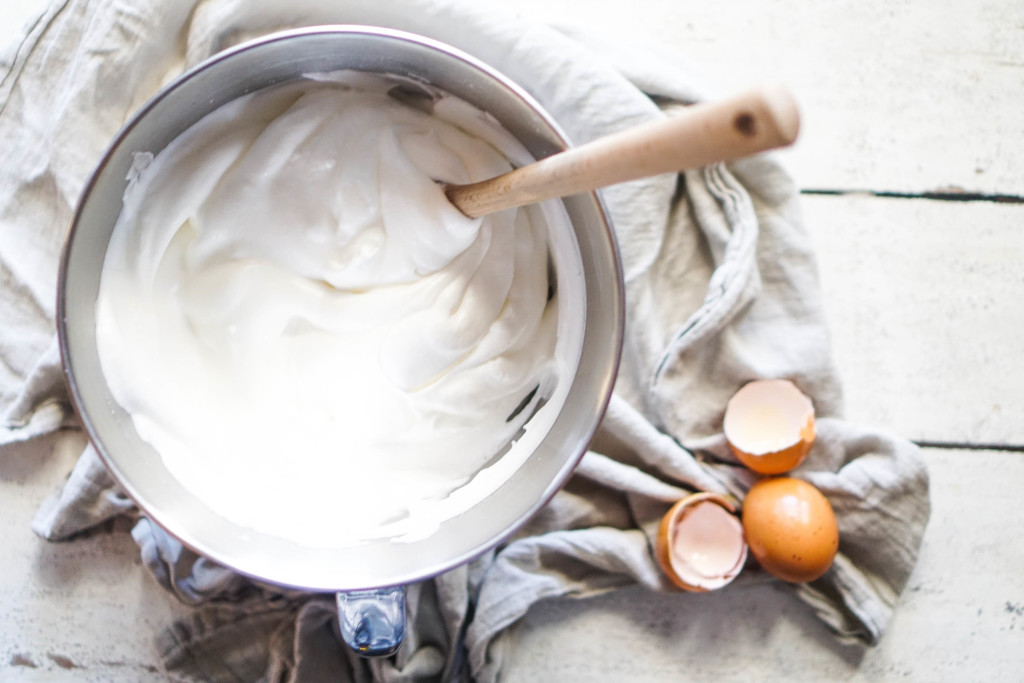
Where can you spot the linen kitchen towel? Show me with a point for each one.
(721, 287)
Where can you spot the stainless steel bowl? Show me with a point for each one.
(140, 470)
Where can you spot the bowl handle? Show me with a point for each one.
(373, 621)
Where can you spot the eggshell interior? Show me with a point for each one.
(707, 543)
(769, 425)
(766, 416)
(700, 543)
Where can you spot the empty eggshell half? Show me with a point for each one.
(769, 425)
(700, 543)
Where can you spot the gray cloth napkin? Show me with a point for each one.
(721, 285)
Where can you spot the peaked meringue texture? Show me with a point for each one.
(289, 303)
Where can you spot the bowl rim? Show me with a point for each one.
(76, 393)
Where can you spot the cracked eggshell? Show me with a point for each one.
(700, 544)
(791, 528)
(769, 425)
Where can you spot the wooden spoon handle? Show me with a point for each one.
(701, 134)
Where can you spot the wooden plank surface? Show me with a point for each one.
(960, 619)
(84, 610)
(88, 611)
(905, 98)
(901, 96)
(924, 303)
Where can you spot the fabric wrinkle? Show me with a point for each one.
(722, 288)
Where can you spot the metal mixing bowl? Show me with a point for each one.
(140, 470)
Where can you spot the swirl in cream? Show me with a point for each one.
(316, 342)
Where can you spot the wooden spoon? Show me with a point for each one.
(701, 134)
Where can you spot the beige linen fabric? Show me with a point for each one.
(721, 286)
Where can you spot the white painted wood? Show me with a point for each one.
(925, 301)
(924, 305)
(84, 610)
(905, 96)
(913, 96)
(13, 16)
(961, 617)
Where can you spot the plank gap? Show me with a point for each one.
(951, 195)
(956, 445)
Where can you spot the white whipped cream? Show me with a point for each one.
(316, 342)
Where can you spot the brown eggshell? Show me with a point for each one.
(790, 528)
(769, 426)
(664, 545)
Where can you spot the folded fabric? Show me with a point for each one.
(721, 287)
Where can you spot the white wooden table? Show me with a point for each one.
(912, 164)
